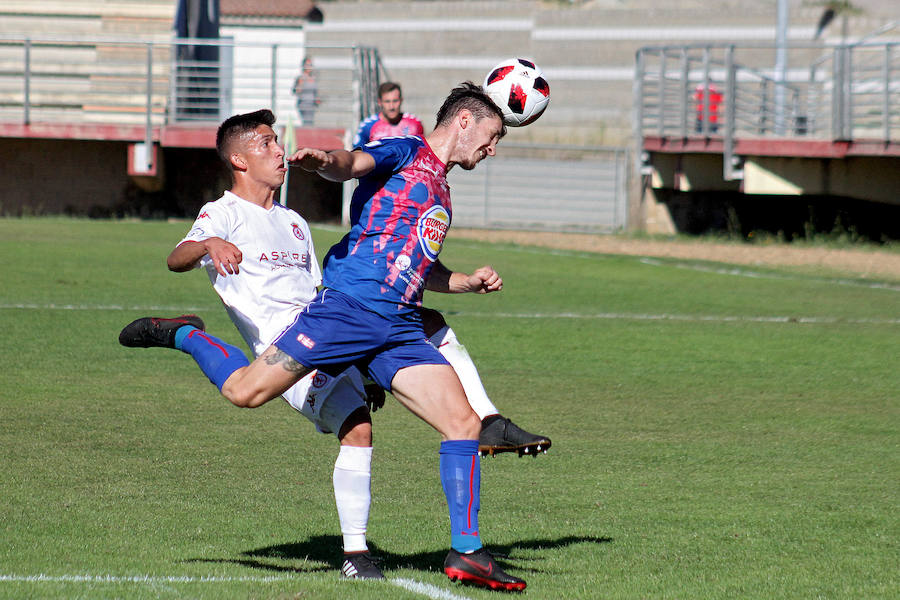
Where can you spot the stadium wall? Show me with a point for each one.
(90, 178)
(785, 197)
(61, 176)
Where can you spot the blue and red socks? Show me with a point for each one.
(217, 359)
(461, 480)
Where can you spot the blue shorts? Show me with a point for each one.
(336, 331)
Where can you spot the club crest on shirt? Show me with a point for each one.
(298, 233)
(402, 262)
(432, 228)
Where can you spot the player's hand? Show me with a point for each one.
(225, 256)
(484, 280)
(309, 159)
(374, 396)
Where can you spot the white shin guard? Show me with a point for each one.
(455, 353)
(353, 495)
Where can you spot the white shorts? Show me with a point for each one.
(327, 401)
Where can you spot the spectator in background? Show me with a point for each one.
(390, 120)
(307, 92)
(701, 101)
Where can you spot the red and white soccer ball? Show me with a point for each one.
(518, 87)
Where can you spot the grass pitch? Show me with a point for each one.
(718, 433)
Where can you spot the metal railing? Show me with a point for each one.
(52, 80)
(545, 187)
(849, 92)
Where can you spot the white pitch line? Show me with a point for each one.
(426, 589)
(677, 317)
(611, 316)
(417, 587)
(736, 271)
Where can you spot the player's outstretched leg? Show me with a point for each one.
(150, 332)
(499, 434)
(216, 358)
(479, 568)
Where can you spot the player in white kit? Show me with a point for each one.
(261, 261)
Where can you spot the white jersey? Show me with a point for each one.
(279, 272)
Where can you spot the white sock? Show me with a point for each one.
(353, 495)
(455, 353)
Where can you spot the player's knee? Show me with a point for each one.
(466, 426)
(360, 436)
(356, 429)
(242, 397)
(473, 425)
(255, 401)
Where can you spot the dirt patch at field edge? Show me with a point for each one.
(864, 263)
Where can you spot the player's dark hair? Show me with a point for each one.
(471, 97)
(238, 125)
(387, 87)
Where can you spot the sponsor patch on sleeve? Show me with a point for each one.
(432, 229)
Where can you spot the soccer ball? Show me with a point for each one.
(518, 87)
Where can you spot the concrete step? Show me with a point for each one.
(376, 11)
(34, 26)
(146, 19)
(155, 9)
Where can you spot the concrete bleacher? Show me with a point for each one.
(587, 49)
(79, 81)
(90, 18)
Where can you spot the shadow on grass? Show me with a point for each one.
(326, 549)
(254, 563)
